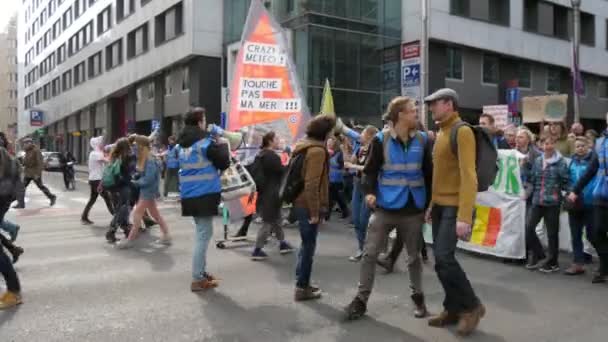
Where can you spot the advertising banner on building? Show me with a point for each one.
(265, 94)
(549, 108)
(410, 70)
(500, 114)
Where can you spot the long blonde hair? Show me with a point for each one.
(143, 150)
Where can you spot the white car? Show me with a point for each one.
(52, 160)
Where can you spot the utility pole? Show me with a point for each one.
(424, 61)
(576, 7)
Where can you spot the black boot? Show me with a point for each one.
(16, 252)
(111, 236)
(420, 311)
(356, 309)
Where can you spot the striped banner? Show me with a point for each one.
(486, 226)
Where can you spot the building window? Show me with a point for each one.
(104, 20)
(67, 18)
(87, 34)
(46, 91)
(459, 7)
(42, 17)
(52, 7)
(524, 74)
(79, 76)
(61, 54)
(92, 2)
(168, 84)
(454, 64)
(95, 65)
(55, 87)
(169, 24)
(57, 29)
(185, 78)
(67, 80)
(602, 88)
(137, 41)
(587, 29)
(114, 54)
(138, 95)
(80, 6)
(150, 91)
(124, 8)
(74, 44)
(144, 2)
(38, 96)
(553, 80)
(490, 69)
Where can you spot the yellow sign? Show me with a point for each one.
(76, 134)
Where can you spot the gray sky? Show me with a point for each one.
(9, 7)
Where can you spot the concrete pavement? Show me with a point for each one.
(76, 287)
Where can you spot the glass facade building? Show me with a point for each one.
(353, 43)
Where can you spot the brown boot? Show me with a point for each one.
(443, 319)
(202, 285)
(470, 320)
(420, 311)
(308, 293)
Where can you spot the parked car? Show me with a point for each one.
(52, 161)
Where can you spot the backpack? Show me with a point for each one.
(8, 183)
(256, 170)
(292, 183)
(111, 174)
(486, 165)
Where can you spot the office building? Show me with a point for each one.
(8, 80)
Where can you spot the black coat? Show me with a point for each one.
(269, 204)
(219, 156)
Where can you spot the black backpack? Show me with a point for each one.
(292, 183)
(486, 164)
(256, 170)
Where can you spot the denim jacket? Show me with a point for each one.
(149, 180)
(547, 185)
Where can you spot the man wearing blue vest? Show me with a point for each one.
(396, 180)
(171, 177)
(201, 160)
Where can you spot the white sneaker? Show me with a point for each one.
(124, 244)
(165, 241)
(357, 257)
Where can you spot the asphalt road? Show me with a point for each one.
(76, 287)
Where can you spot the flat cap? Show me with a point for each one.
(445, 93)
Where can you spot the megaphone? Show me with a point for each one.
(234, 138)
(343, 129)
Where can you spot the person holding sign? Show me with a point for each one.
(396, 182)
(546, 183)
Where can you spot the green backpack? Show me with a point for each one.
(111, 174)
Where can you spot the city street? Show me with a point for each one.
(76, 287)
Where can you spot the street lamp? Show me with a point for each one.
(576, 8)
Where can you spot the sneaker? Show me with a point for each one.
(205, 284)
(258, 255)
(240, 234)
(19, 206)
(9, 300)
(13, 236)
(357, 257)
(124, 244)
(53, 200)
(549, 268)
(16, 253)
(420, 311)
(356, 309)
(285, 248)
(575, 269)
(470, 320)
(165, 241)
(387, 264)
(86, 222)
(534, 264)
(443, 319)
(308, 293)
(258, 220)
(111, 237)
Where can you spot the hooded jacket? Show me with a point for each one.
(32, 162)
(315, 196)
(549, 180)
(219, 156)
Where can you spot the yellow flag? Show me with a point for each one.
(327, 102)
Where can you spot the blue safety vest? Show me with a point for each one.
(600, 190)
(336, 171)
(401, 173)
(577, 169)
(197, 175)
(172, 157)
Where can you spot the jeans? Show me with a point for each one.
(203, 234)
(336, 194)
(6, 266)
(459, 294)
(308, 233)
(408, 228)
(38, 182)
(94, 185)
(578, 220)
(551, 217)
(360, 214)
(8, 227)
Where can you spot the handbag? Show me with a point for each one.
(600, 192)
(236, 182)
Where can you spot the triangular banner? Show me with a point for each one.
(327, 102)
(265, 91)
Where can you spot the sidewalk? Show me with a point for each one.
(81, 169)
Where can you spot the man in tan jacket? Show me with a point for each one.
(33, 167)
(313, 202)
